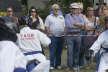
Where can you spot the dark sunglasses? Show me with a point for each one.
(104, 9)
(9, 11)
(33, 11)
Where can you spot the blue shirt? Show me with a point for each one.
(71, 19)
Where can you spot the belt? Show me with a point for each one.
(99, 57)
(33, 52)
(106, 49)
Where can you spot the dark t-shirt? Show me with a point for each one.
(7, 34)
(12, 23)
(33, 24)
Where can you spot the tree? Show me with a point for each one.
(25, 3)
(65, 3)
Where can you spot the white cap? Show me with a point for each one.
(74, 5)
(80, 5)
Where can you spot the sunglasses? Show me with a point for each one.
(9, 11)
(33, 11)
(104, 9)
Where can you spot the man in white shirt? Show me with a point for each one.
(101, 46)
(55, 27)
(30, 41)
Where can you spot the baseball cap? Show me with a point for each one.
(80, 5)
(74, 5)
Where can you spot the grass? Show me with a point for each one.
(64, 63)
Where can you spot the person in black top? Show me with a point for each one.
(33, 20)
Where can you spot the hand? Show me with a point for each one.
(92, 53)
(49, 34)
(77, 25)
(90, 28)
(63, 33)
(97, 33)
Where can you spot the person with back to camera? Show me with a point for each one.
(100, 47)
(11, 58)
(30, 41)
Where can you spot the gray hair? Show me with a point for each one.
(55, 6)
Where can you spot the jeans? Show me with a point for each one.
(74, 45)
(55, 48)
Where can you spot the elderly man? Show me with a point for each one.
(59, 10)
(101, 46)
(55, 27)
(74, 25)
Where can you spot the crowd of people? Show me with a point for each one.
(22, 39)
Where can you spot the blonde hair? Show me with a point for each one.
(104, 7)
(101, 20)
(102, 17)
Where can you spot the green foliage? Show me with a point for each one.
(64, 4)
(24, 2)
(43, 12)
